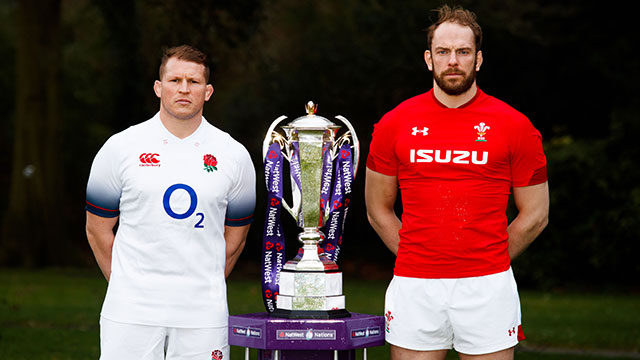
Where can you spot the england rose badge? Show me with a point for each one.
(210, 163)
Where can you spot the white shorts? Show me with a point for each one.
(476, 315)
(120, 341)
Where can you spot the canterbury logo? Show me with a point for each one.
(448, 156)
(149, 159)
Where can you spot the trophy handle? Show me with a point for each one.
(344, 138)
(269, 138)
(356, 142)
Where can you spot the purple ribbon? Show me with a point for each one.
(294, 164)
(273, 239)
(340, 199)
(327, 172)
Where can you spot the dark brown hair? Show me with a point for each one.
(457, 15)
(186, 53)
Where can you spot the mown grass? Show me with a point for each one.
(53, 314)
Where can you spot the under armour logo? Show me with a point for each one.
(424, 131)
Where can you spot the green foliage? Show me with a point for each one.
(574, 320)
(592, 235)
(7, 101)
(54, 314)
(567, 65)
(50, 314)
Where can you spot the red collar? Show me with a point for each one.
(433, 94)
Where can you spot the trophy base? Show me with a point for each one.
(297, 265)
(311, 293)
(309, 261)
(307, 303)
(310, 283)
(310, 314)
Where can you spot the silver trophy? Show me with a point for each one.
(310, 284)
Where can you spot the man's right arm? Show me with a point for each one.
(380, 193)
(100, 235)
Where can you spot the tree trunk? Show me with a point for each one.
(31, 231)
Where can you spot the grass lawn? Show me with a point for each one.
(53, 314)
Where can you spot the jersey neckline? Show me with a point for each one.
(168, 133)
(465, 105)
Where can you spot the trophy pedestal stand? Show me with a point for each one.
(298, 339)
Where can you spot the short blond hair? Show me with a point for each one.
(186, 53)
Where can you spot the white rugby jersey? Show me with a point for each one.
(174, 197)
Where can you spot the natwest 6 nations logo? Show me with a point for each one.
(448, 156)
(366, 332)
(309, 334)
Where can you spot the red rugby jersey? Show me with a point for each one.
(455, 169)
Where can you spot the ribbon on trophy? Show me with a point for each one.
(339, 204)
(296, 175)
(273, 239)
(327, 173)
(334, 198)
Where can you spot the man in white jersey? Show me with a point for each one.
(183, 195)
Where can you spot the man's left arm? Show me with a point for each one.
(533, 215)
(235, 238)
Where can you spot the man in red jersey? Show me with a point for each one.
(456, 154)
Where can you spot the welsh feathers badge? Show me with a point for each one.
(482, 130)
(210, 163)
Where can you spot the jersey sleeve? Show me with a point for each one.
(242, 197)
(528, 162)
(104, 186)
(382, 156)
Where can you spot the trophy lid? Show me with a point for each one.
(311, 121)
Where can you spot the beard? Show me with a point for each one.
(456, 87)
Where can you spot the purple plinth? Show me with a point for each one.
(296, 336)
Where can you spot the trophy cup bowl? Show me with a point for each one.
(311, 283)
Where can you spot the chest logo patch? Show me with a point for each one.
(149, 159)
(424, 131)
(482, 130)
(448, 156)
(210, 163)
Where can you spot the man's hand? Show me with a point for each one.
(533, 215)
(235, 237)
(380, 193)
(100, 235)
